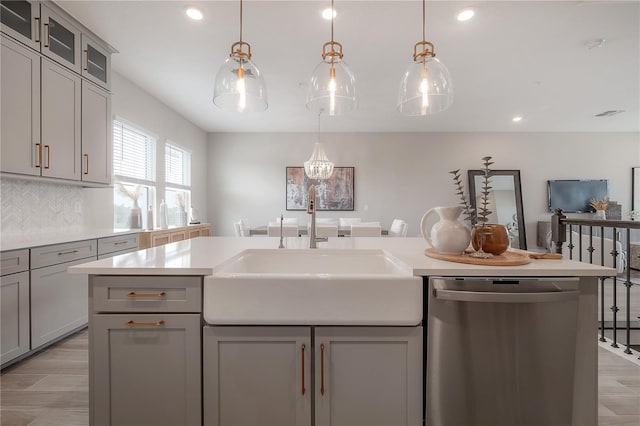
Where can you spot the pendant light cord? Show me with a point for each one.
(332, 18)
(424, 14)
(241, 21)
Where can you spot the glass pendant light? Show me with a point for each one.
(332, 87)
(239, 85)
(426, 85)
(318, 166)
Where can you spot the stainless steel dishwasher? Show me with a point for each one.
(501, 352)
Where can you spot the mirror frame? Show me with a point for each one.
(471, 174)
(635, 188)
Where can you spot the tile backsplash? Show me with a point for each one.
(32, 208)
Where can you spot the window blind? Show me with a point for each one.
(177, 168)
(133, 154)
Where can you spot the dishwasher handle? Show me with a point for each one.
(497, 297)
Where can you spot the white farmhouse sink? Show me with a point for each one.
(337, 287)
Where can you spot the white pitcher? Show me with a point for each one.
(449, 235)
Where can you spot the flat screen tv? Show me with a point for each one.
(573, 196)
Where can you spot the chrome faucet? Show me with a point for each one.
(281, 220)
(311, 209)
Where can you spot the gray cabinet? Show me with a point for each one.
(58, 298)
(368, 376)
(20, 110)
(20, 19)
(96, 65)
(257, 376)
(361, 376)
(14, 304)
(61, 126)
(60, 39)
(146, 370)
(96, 134)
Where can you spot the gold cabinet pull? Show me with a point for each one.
(47, 39)
(87, 169)
(303, 389)
(48, 149)
(37, 19)
(62, 253)
(322, 368)
(117, 243)
(39, 156)
(134, 294)
(144, 324)
(86, 61)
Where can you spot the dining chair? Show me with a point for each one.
(241, 228)
(288, 230)
(398, 228)
(326, 229)
(366, 229)
(346, 222)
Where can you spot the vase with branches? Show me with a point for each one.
(135, 220)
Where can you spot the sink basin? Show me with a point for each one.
(322, 286)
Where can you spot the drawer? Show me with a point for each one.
(117, 243)
(14, 261)
(60, 253)
(146, 294)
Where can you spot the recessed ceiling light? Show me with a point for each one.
(516, 119)
(194, 13)
(465, 14)
(329, 13)
(595, 43)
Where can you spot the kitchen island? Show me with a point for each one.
(155, 360)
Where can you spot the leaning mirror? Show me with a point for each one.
(635, 190)
(506, 202)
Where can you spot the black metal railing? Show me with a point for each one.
(561, 227)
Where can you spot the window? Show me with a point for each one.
(134, 157)
(178, 184)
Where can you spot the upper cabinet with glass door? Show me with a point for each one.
(60, 39)
(21, 20)
(96, 62)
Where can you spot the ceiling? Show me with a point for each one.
(513, 58)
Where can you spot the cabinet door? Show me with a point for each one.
(257, 376)
(178, 236)
(21, 20)
(14, 313)
(96, 62)
(159, 239)
(60, 39)
(96, 134)
(61, 96)
(58, 302)
(368, 376)
(146, 370)
(20, 110)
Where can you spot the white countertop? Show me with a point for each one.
(199, 256)
(46, 239)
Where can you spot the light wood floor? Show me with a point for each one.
(51, 388)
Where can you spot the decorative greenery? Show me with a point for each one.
(599, 204)
(469, 213)
(482, 213)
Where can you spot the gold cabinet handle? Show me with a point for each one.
(37, 19)
(39, 156)
(87, 169)
(144, 324)
(62, 253)
(156, 295)
(303, 389)
(117, 243)
(86, 60)
(322, 368)
(47, 39)
(48, 149)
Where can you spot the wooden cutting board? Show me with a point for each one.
(508, 258)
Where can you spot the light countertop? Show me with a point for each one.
(46, 239)
(199, 256)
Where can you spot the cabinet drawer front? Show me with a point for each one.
(59, 253)
(14, 261)
(147, 294)
(117, 243)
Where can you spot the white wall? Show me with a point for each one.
(133, 104)
(404, 174)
